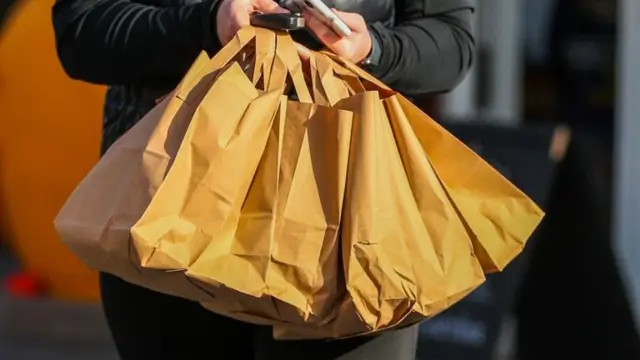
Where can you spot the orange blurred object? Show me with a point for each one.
(49, 139)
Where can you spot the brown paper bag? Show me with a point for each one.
(288, 229)
(500, 217)
(422, 243)
(248, 218)
(406, 253)
(96, 220)
(413, 239)
(253, 200)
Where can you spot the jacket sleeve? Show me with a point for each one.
(119, 42)
(431, 47)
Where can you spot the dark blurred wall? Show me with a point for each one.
(583, 55)
(574, 303)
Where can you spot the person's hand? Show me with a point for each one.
(232, 15)
(355, 47)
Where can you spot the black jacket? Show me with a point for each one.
(142, 48)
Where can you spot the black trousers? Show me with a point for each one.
(149, 325)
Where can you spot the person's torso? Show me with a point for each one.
(125, 105)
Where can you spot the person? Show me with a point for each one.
(142, 48)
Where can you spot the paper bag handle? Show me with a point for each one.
(358, 79)
(336, 79)
(352, 80)
(282, 65)
(287, 54)
(275, 59)
(363, 75)
(220, 60)
(328, 89)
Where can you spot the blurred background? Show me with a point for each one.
(551, 102)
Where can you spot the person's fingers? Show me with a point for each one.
(324, 33)
(353, 20)
(343, 46)
(269, 7)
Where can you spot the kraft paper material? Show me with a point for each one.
(343, 213)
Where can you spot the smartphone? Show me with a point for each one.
(321, 11)
(283, 22)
